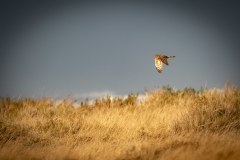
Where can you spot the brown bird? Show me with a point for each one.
(159, 60)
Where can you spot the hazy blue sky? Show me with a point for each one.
(94, 48)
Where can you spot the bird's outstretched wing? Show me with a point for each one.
(158, 65)
(164, 59)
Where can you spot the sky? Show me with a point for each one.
(96, 48)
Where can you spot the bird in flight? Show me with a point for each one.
(159, 60)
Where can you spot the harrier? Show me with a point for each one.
(159, 60)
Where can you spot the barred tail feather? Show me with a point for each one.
(171, 56)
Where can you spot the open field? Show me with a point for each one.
(166, 124)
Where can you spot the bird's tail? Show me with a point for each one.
(171, 56)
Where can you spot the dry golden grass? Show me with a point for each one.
(166, 124)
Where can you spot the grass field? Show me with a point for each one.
(166, 124)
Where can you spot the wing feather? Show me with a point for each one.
(158, 65)
(164, 59)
